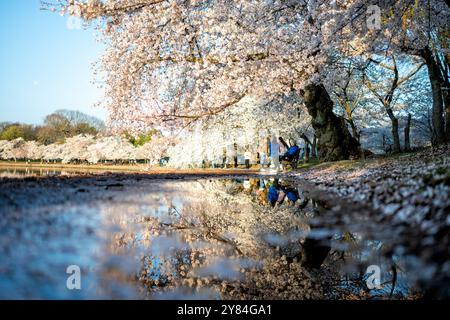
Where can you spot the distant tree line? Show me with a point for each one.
(56, 128)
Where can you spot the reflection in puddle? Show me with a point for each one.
(206, 239)
(21, 171)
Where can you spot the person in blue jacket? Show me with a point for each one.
(291, 153)
(274, 193)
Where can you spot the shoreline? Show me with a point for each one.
(142, 169)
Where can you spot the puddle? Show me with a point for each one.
(255, 238)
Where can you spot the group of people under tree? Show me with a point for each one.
(286, 153)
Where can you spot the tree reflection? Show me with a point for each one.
(255, 238)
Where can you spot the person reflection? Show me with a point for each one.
(276, 193)
(288, 194)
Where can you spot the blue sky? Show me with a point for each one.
(44, 64)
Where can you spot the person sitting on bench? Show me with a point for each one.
(290, 154)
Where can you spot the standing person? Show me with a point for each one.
(283, 145)
(247, 156)
(262, 160)
(274, 154)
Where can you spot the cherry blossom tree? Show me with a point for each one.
(13, 150)
(88, 149)
(386, 91)
(155, 150)
(172, 63)
(419, 28)
(175, 62)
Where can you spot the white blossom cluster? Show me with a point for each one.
(174, 62)
(86, 148)
(192, 66)
(241, 128)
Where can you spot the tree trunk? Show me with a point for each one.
(224, 152)
(334, 140)
(224, 157)
(307, 144)
(355, 133)
(306, 152)
(395, 135)
(314, 147)
(314, 253)
(235, 155)
(437, 83)
(407, 131)
(446, 95)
